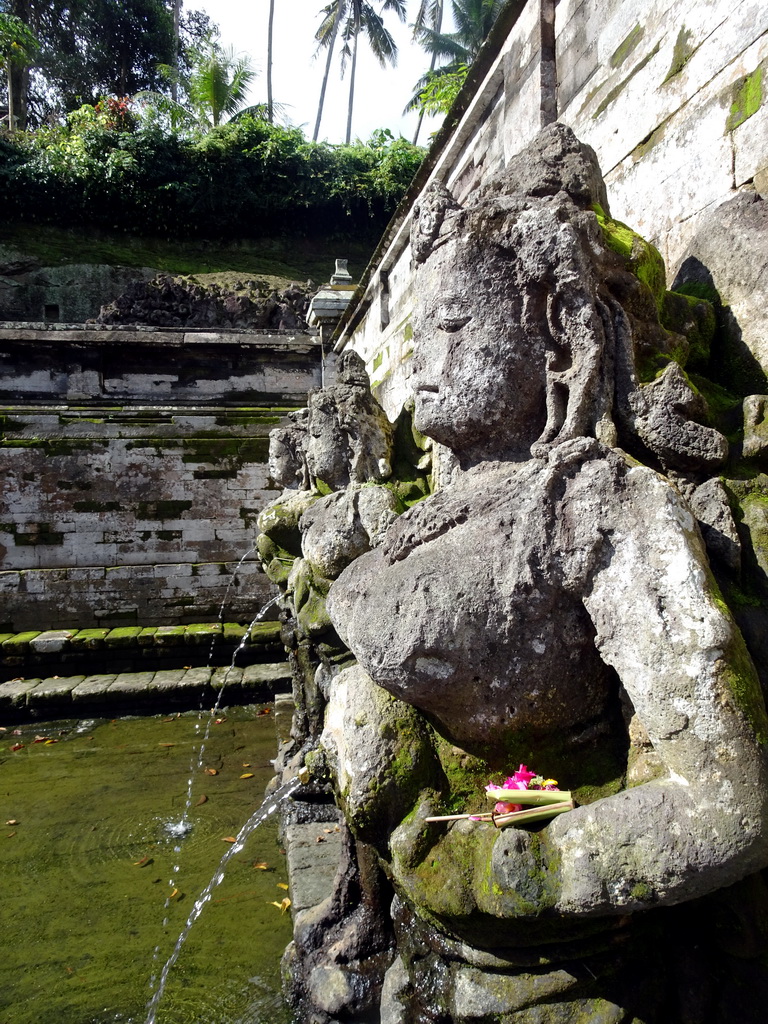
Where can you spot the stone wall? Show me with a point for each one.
(132, 466)
(672, 94)
(70, 294)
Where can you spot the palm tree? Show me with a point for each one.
(429, 15)
(331, 43)
(356, 18)
(217, 86)
(473, 19)
(269, 60)
(219, 82)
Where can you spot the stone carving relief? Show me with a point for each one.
(553, 602)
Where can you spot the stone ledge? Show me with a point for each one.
(110, 693)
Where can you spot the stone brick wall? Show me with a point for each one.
(132, 467)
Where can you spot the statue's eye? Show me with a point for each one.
(453, 323)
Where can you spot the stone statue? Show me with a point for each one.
(557, 582)
(552, 603)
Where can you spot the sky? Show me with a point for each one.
(297, 76)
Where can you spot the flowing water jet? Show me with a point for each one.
(259, 816)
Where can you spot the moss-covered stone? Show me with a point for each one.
(627, 46)
(747, 98)
(693, 317)
(642, 259)
(123, 636)
(682, 53)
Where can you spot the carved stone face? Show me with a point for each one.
(478, 375)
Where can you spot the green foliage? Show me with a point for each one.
(18, 44)
(441, 89)
(105, 168)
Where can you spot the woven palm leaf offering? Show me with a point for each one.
(522, 798)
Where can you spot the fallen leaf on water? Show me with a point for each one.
(16, 732)
(143, 862)
(211, 771)
(3, 728)
(168, 720)
(174, 894)
(40, 739)
(166, 744)
(264, 711)
(282, 907)
(202, 800)
(246, 764)
(50, 740)
(228, 839)
(9, 835)
(219, 721)
(12, 821)
(320, 839)
(282, 885)
(261, 865)
(17, 746)
(247, 775)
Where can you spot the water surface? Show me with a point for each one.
(90, 864)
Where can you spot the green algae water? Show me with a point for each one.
(89, 868)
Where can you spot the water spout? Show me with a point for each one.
(268, 808)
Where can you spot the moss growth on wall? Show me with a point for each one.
(618, 89)
(681, 54)
(747, 98)
(626, 46)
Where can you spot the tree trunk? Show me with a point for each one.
(270, 116)
(438, 28)
(176, 49)
(10, 102)
(336, 22)
(352, 83)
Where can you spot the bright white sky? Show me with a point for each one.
(296, 76)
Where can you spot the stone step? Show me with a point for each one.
(133, 648)
(151, 691)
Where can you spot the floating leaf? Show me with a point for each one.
(211, 771)
(261, 865)
(201, 800)
(219, 721)
(40, 739)
(166, 720)
(166, 744)
(282, 885)
(282, 907)
(12, 821)
(229, 839)
(247, 775)
(50, 741)
(10, 835)
(174, 894)
(246, 764)
(320, 839)
(17, 746)
(264, 711)
(143, 862)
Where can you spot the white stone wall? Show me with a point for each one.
(651, 87)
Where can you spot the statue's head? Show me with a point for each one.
(510, 327)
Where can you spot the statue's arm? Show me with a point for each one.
(661, 624)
